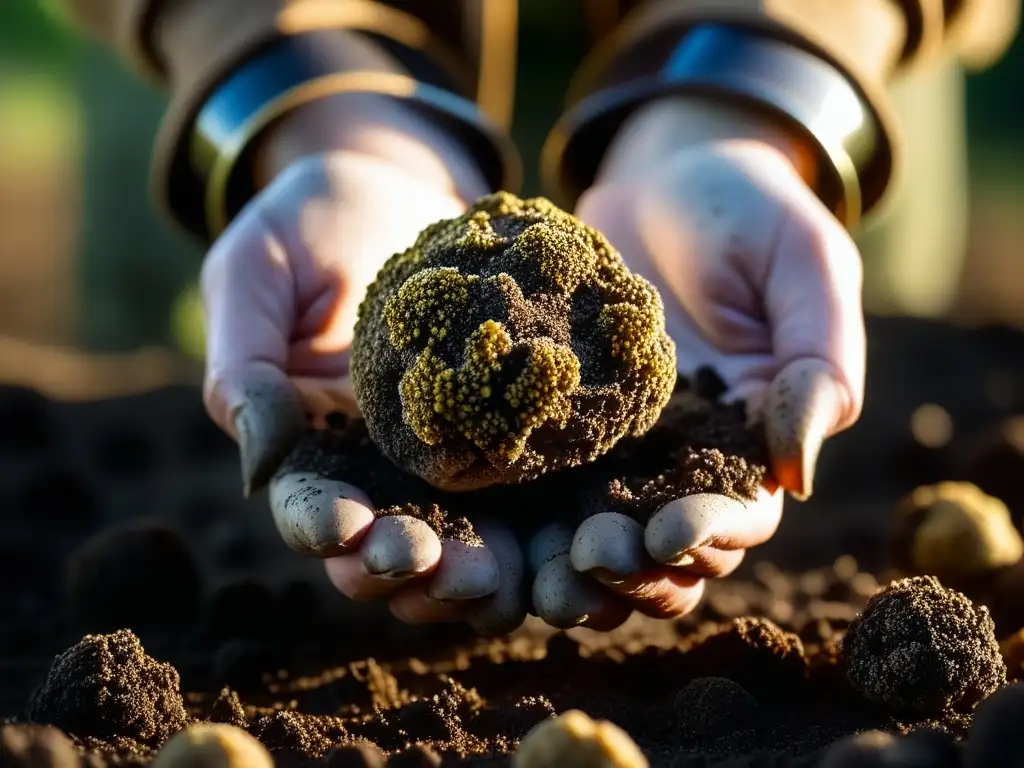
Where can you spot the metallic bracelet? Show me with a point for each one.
(730, 63)
(287, 76)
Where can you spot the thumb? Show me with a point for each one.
(813, 306)
(249, 302)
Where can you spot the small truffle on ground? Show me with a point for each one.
(35, 746)
(140, 575)
(754, 652)
(919, 646)
(506, 343)
(709, 706)
(995, 737)
(106, 686)
(213, 745)
(574, 740)
(954, 531)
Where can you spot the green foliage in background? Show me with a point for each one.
(28, 33)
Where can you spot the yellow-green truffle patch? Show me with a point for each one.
(506, 343)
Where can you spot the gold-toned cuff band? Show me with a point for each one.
(285, 77)
(732, 63)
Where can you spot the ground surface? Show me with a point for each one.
(227, 605)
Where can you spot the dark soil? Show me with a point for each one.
(698, 445)
(253, 636)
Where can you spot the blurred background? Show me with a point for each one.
(97, 293)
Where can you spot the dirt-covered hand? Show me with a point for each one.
(761, 283)
(281, 288)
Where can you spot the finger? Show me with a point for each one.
(550, 541)
(801, 408)
(613, 615)
(710, 521)
(400, 547)
(414, 605)
(504, 610)
(393, 552)
(710, 563)
(465, 572)
(249, 309)
(561, 596)
(564, 598)
(813, 305)
(609, 542)
(319, 517)
(661, 593)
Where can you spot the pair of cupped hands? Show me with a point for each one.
(759, 281)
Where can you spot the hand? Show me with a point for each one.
(761, 283)
(281, 288)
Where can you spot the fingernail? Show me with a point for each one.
(465, 572)
(314, 516)
(609, 545)
(802, 407)
(684, 525)
(399, 547)
(269, 424)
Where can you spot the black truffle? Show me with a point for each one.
(137, 575)
(919, 646)
(506, 343)
(711, 706)
(107, 687)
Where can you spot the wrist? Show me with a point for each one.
(677, 123)
(376, 127)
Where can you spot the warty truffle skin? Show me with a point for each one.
(919, 646)
(506, 343)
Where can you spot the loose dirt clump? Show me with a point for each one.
(106, 687)
(712, 706)
(697, 446)
(918, 646)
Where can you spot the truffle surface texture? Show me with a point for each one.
(506, 343)
(711, 706)
(919, 646)
(107, 687)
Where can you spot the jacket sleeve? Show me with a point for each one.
(866, 43)
(189, 47)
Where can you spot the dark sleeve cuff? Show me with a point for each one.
(840, 115)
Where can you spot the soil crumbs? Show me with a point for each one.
(725, 686)
(699, 445)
